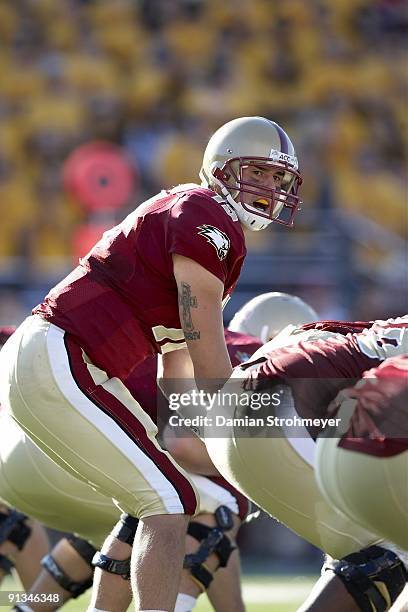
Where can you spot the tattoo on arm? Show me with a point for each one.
(187, 302)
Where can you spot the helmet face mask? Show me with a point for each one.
(259, 143)
(274, 204)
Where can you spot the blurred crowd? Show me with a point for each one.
(157, 77)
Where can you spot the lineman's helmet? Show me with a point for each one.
(267, 314)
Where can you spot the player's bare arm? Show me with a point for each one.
(172, 368)
(200, 307)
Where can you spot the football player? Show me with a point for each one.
(362, 469)
(153, 284)
(314, 364)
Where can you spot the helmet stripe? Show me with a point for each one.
(284, 140)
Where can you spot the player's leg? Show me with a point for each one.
(369, 580)
(211, 543)
(94, 426)
(281, 481)
(204, 564)
(371, 490)
(224, 589)
(23, 542)
(363, 470)
(401, 604)
(66, 573)
(119, 561)
(225, 592)
(41, 489)
(27, 560)
(329, 593)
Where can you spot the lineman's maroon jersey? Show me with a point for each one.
(5, 333)
(142, 381)
(120, 303)
(317, 370)
(240, 346)
(379, 425)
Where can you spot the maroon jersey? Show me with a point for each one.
(5, 333)
(121, 304)
(379, 425)
(240, 346)
(317, 370)
(142, 381)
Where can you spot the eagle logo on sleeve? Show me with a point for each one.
(216, 238)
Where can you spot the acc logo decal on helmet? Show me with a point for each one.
(278, 156)
(216, 238)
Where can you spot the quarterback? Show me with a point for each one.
(153, 284)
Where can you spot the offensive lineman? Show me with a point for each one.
(314, 365)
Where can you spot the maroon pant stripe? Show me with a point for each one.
(129, 424)
(243, 502)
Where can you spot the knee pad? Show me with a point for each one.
(113, 566)
(125, 531)
(83, 548)
(374, 577)
(13, 528)
(5, 564)
(74, 588)
(211, 540)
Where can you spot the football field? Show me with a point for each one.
(261, 594)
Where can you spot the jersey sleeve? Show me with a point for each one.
(384, 339)
(200, 230)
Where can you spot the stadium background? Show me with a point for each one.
(156, 78)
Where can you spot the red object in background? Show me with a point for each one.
(99, 176)
(86, 236)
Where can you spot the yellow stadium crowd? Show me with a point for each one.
(158, 77)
